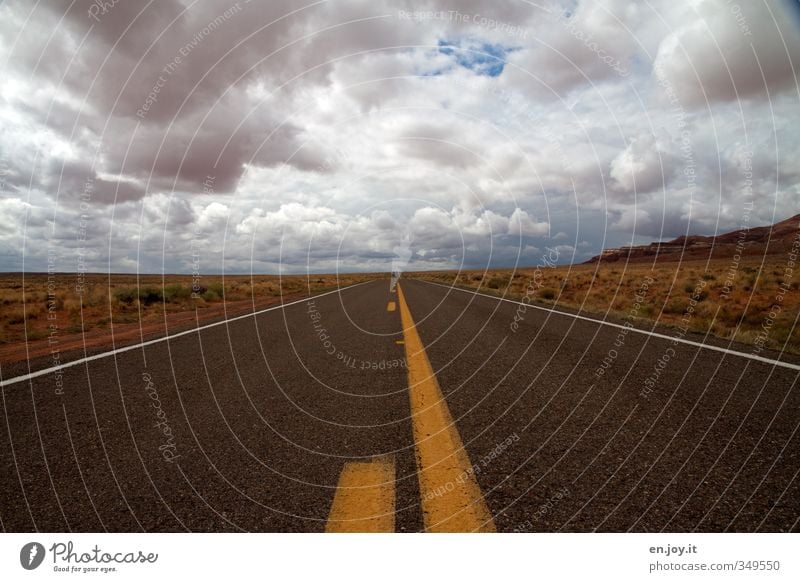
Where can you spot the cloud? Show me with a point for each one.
(324, 136)
(642, 166)
(731, 51)
(521, 224)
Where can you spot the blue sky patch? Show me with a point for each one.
(483, 58)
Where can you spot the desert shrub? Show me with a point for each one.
(149, 295)
(16, 317)
(127, 295)
(646, 310)
(73, 307)
(210, 295)
(45, 300)
(145, 295)
(93, 298)
(548, 293)
(176, 293)
(496, 283)
(214, 292)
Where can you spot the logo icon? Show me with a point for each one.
(31, 555)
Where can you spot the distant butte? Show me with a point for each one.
(761, 240)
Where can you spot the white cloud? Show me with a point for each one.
(357, 133)
(521, 224)
(643, 166)
(731, 51)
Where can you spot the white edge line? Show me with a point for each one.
(165, 338)
(633, 329)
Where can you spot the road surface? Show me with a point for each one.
(407, 408)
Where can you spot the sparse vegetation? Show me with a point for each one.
(28, 310)
(737, 315)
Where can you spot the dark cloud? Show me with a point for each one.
(732, 51)
(330, 133)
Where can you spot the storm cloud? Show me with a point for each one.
(285, 137)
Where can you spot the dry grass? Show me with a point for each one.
(30, 305)
(612, 288)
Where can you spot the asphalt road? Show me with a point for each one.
(253, 425)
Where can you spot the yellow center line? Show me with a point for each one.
(365, 497)
(451, 497)
(391, 306)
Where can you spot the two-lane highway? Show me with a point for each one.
(662, 435)
(240, 426)
(403, 408)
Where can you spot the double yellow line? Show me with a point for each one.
(451, 497)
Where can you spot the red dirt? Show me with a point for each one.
(122, 334)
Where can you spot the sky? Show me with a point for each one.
(354, 135)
